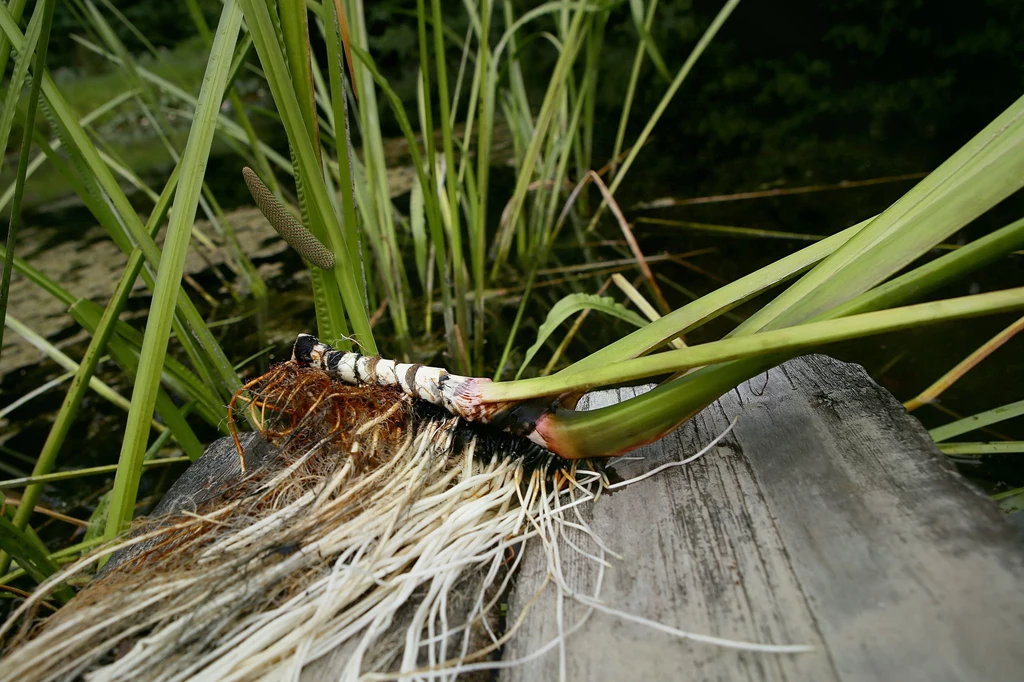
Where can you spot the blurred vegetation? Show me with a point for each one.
(790, 91)
(165, 25)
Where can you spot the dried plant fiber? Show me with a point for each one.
(375, 544)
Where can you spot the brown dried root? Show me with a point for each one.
(361, 487)
(301, 406)
(377, 542)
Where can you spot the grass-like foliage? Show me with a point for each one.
(429, 272)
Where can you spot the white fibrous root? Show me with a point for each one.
(378, 544)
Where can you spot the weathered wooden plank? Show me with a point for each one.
(826, 517)
(205, 478)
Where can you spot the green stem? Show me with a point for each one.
(694, 314)
(785, 341)
(45, 8)
(451, 182)
(617, 429)
(978, 450)
(79, 473)
(977, 421)
(310, 171)
(478, 243)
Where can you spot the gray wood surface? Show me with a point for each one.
(207, 477)
(826, 517)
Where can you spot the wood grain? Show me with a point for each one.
(827, 517)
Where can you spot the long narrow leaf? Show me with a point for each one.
(14, 8)
(55, 354)
(36, 564)
(983, 172)
(622, 427)
(937, 273)
(202, 348)
(337, 45)
(936, 389)
(977, 421)
(72, 474)
(54, 144)
(14, 87)
(570, 305)
(977, 450)
(167, 288)
(677, 82)
(787, 340)
(708, 307)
